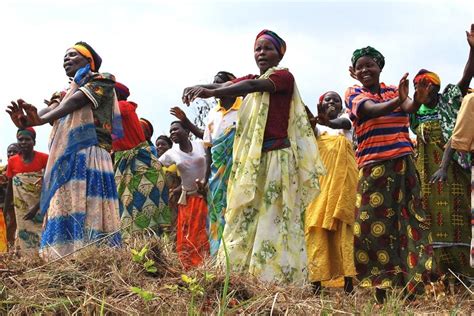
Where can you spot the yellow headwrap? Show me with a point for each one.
(428, 75)
(86, 53)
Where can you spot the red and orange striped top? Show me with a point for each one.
(380, 138)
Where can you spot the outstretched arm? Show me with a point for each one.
(232, 90)
(468, 73)
(76, 101)
(197, 89)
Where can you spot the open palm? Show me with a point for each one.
(470, 36)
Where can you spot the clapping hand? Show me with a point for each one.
(422, 91)
(470, 36)
(352, 73)
(403, 89)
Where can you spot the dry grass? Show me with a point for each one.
(99, 281)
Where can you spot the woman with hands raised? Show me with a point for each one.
(79, 196)
(391, 231)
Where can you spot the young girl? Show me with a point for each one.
(190, 158)
(329, 218)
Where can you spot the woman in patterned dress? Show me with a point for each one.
(391, 232)
(444, 173)
(79, 195)
(275, 169)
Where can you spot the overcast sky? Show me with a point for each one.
(157, 48)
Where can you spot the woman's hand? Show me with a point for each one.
(191, 93)
(202, 187)
(33, 119)
(178, 113)
(323, 118)
(422, 92)
(470, 36)
(17, 115)
(403, 89)
(352, 73)
(439, 176)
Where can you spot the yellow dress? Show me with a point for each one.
(330, 217)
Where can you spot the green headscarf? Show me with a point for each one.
(368, 51)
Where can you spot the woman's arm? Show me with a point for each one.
(10, 213)
(468, 73)
(231, 90)
(340, 123)
(371, 109)
(442, 173)
(76, 101)
(189, 91)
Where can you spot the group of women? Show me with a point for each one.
(274, 190)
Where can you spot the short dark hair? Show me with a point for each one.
(166, 139)
(225, 76)
(180, 123)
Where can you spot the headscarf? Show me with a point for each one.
(368, 51)
(321, 98)
(428, 75)
(29, 131)
(276, 40)
(147, 128)
(122, 90)
(87, 51)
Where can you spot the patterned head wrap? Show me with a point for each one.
(276, 40)
(122, 90)
(368, 51)
(147, 128)
(428, 75)
(87, 51)
(29, 131)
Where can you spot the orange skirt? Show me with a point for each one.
(3, 233)
(192, 243)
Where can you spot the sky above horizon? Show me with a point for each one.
(158, 48)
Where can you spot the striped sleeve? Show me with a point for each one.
(354, 98)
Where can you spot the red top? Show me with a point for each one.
(132, 130)
(17, 165)
(280, 102)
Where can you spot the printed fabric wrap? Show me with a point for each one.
(446, 111)
(79, 195)
(26, 193)
(392, 242)
(268, 193)
(3, 233)
(329, 219)
(221, 167)
(446, 202)
(140, 182)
